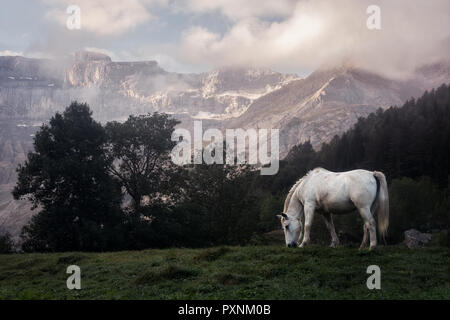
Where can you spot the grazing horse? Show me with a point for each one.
(329, 193)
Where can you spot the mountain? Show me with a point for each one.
(326, 103)
(315, 108)
(36, 89)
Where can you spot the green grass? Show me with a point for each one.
(252, 272)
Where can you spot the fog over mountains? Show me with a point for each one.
(315, 108)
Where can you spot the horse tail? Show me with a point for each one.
(382, 204)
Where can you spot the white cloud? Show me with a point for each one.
(285, 35)
(104, 17)
(162, 54)
(325, 32)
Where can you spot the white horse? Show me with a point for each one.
(336, 193)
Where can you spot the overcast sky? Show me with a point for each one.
(197, 35)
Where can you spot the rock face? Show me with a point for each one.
(36, 89)
(316, 108)
(416, 239)
(325, 104)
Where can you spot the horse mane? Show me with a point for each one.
(291, 191)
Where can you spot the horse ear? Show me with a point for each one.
(279, 216)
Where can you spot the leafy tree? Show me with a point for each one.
(139, 150)
(66, 177)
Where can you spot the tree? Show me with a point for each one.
(140, 148)
(220, 206)
(66, 177)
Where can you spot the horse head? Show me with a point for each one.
(292, 228)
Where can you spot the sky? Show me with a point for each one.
(292, 36)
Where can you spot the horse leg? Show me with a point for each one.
(309, 216)
(369, 223)
(330, 225)
(364, 241)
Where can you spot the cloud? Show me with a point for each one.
(103, 17)
(238, 9)
(10, 53)
(104, 24)
(162, 54)
(285, 35)
(324, 32)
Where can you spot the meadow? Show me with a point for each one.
(230, 272)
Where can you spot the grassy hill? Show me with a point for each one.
(252, 272)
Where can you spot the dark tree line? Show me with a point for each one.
(411, 141)
(114, 187)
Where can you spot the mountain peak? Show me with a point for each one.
(338, 68)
